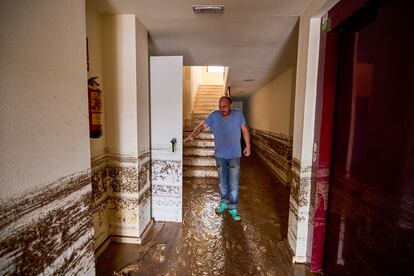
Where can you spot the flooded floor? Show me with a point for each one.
(210, 244)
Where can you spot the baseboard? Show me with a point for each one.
(102, 247)
(123, 239)
(146, 230)
(299, 259)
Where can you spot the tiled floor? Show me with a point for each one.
(210, 244)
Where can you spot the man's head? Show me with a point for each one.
(225, 106)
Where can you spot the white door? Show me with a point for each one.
(166, 79)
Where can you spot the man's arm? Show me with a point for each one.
(202, 126)
(246, 137)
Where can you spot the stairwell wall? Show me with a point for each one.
(46, 193)
(192, 78)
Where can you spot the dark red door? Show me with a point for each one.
(370, 223)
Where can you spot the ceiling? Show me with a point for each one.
(257, 39)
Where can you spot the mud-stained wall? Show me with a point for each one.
(300, 220)
(276, 152)
(121, 170)
(49, 229)
(45, 193)
(144, 191)
(300, 190)
(95, 68)
(167, 189)
(121, 192)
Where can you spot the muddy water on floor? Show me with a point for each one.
(207, 243)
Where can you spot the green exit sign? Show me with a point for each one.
(324, 23)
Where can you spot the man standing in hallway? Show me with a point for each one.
(226, 124)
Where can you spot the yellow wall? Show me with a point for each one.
(270, 108)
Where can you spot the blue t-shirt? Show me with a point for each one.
(227, 133)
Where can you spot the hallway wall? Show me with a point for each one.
(45, 198)
(270, 118)
(300, 211)
(95, 57)
(94, 34)
(120, 169)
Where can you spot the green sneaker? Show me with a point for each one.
(234, 214)
(221, 208)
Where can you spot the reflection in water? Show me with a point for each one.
(340, 256)
(207, 243)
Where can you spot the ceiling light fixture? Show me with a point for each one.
(216, 9)
(248, 80)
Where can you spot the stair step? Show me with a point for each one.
(206, 102)
(209, 92)
(200, 172)
(206, 97)
(200, 161)
(203, 111)
(202, 135)
(200, 115)
(211, 88)
(193, 126)
(188, 151)
(212, 104)
(200, 144)
(196, 121)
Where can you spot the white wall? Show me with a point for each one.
(143, 120)
(142, 87)
(44, 139)
(300, 213)
(270, 107)
(120, 72)
(306, 77)
(44, 131)
(94, 35)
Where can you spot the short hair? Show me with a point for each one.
(227, 98)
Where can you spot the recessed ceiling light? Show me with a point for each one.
(247, 80)
(217, 9)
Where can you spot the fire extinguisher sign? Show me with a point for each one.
(95, 108)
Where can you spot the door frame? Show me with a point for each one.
(324, 125)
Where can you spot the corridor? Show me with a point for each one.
(210, 244)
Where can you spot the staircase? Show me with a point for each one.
(199, 158)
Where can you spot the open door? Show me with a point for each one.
(166, 80)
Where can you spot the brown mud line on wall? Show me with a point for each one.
(123, 179)
(143, 174)
(49, 229)
(120, 183)
(275, 150)
(145, 196)
(210, 244)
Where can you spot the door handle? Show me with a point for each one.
(173, 142)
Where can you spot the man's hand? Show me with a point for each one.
(202, 126)
(246, 151)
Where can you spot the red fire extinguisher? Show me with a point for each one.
(95, 108)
